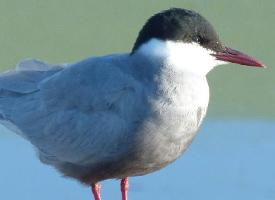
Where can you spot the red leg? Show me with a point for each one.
(96, 191)
(124, 188)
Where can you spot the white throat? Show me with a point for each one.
(184, 57)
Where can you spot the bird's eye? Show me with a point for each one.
(197, 39)
(201, 40)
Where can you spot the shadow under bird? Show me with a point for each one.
(119, 115)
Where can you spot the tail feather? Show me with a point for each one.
(17, 84)
(26, 76)
(37, 65)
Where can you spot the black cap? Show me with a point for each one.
(178, 24)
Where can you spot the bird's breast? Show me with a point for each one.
(176, 114)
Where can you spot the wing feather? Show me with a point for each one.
(81, 114)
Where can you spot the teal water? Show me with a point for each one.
(227, 160)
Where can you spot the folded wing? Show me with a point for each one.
(82, 113)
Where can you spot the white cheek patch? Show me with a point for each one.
(182, 56)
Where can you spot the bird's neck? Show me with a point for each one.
(171, 79)
(177, 77)
(180, 57)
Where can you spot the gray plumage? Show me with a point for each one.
(103, 117)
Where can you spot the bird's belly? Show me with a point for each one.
(161, 140)
(176, 115)
(164, 137)
(170, 121)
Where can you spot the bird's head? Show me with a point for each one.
(188, 41)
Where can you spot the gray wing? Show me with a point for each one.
(27, 75)
(18, 83)
(83, 113)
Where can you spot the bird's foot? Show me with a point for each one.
(96, 191)
(124, 188)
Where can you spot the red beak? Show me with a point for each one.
(234, 56)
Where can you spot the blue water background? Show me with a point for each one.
(229, 159)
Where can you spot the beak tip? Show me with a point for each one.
(234, 56)
(261, 65)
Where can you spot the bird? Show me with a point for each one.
(124, 114)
